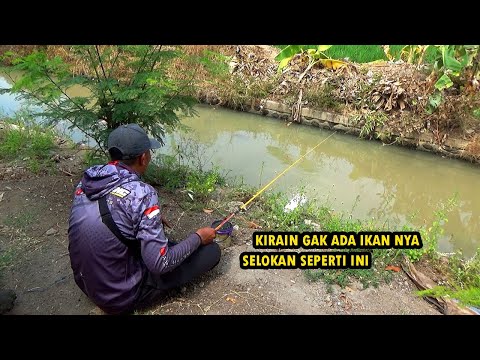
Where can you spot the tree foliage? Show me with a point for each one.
(126, 84)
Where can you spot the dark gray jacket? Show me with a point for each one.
(105, 269)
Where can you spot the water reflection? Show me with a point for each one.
(8, 102)
(11, 104)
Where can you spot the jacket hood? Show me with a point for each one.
(99, 180)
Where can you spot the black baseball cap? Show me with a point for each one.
(131, 141)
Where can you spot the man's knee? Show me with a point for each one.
(214, 253)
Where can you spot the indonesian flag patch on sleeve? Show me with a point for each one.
(151, 212)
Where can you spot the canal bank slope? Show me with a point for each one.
(384, 101)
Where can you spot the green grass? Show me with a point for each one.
(6, 258)
(466, 297)
(367, 53)
(463, 280)
(269, 211)
(362, 53)
(186, 169)
(171, 174)
(476, 113)
(20, 221)
(31, 143)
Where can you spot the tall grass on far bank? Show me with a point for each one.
(368, 53)
(362, 53)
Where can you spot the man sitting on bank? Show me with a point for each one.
(120, 256)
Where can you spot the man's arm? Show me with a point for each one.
(157, 255)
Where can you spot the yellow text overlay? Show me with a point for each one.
(337, 240)
(309, 260)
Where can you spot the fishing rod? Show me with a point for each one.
(244, 206)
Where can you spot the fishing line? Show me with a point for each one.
(244, 206)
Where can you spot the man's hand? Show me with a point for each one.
(207, 234)
(166, 223)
